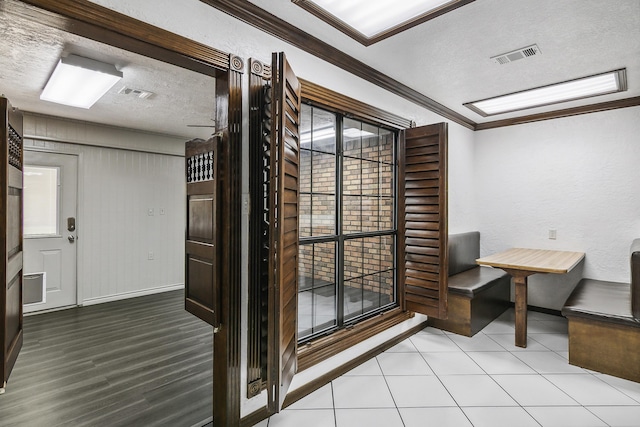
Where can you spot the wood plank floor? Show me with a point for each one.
(139, 362)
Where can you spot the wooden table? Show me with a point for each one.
(521, 263)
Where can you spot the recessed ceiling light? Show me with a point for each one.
(80, 82)
(371, 20)
(599, 84)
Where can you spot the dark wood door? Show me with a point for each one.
(201, 250)
(284, 190)
(10, 239)
(422, 219)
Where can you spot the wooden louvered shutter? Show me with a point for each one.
(284, 189)
(422, 220)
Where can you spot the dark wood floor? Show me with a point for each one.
(138, 362)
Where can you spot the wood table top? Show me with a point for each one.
(534, 260)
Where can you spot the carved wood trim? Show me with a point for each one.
(259, 233)
(227, 353)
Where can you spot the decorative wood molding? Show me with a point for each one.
(86, 19)
(257, 17)
(259, 234)
(322, 14)
(236, 63)
(557, 114)
(227, 353)
(259, 68)
(349, 107)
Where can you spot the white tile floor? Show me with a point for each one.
(441, 379)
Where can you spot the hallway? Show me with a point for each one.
(138, 362)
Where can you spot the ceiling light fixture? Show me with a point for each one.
(80, 82)
(369, 21)
(599, 84)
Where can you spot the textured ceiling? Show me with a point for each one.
(448, 58)
(29, 53)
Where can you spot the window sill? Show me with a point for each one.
(320, 349)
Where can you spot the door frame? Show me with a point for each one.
(90, 20)
(79, 213)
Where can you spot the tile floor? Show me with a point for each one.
(439, 379)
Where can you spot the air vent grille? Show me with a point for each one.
(138, 93)
(515, 55)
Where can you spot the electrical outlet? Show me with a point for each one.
(552, 234)
(151, 255)
(150, 211)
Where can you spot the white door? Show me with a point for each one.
(50, 222)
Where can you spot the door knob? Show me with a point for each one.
(71, 238)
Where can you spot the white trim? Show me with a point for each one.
(134, 294)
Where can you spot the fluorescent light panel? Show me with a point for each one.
(373, 17)
(330, 132)
(600, 84)
(80, 82)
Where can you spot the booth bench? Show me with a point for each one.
(476, 295)
(604, 324)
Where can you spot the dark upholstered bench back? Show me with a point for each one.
(466, 277)
(464, 249)
(609, 301)
(635, 278)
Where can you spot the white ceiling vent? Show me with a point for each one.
(524, 52)
(138, 93)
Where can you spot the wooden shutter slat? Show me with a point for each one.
(414, 176)
(426, 225)
(432, 158)
(421, 233)
(422, 227)
(422, 167)
(422, 217)
(423, 250)
(422, 208)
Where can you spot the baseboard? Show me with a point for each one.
(133, 294)
(540, 309)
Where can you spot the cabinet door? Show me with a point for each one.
(201, 249)
(11, 159)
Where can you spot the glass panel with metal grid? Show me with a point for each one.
(347, 222)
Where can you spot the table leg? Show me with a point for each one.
(521, 309)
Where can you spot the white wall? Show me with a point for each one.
(578, 175)
(198, 21)
(117, 187)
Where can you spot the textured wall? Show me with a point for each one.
(577, 175)
(117, 187)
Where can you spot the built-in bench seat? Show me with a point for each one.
(604, 324)
(476, 295)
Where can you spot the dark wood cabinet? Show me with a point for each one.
(202, 248)
(11, 131)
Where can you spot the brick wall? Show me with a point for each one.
(367, 206)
